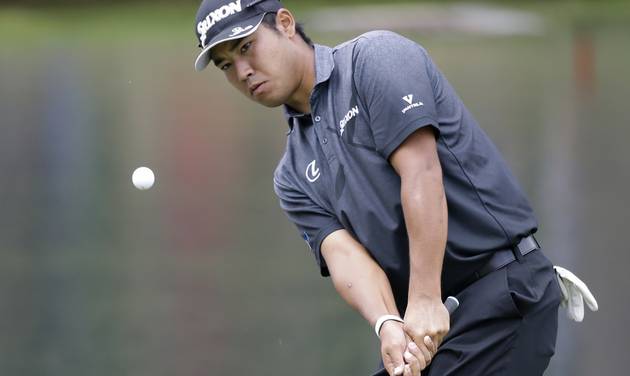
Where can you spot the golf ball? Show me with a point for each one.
(143, 178)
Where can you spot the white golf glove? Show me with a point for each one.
(575, 293)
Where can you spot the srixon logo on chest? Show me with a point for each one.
(354, 111)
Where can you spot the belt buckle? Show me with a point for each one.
(536, 242)
(524, 246)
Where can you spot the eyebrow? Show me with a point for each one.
(232, 45)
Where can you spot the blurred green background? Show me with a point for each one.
(203, 274)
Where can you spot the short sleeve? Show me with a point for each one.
(313, 222)
(393, 78)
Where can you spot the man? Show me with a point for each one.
(402, 198)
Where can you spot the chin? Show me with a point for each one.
(271, 102)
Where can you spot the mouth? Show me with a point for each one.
(256, 89)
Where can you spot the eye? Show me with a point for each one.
(225, 66)
(245, 47)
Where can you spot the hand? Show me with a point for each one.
(426, 323)
(397, 360)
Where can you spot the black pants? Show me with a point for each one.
(506, 323)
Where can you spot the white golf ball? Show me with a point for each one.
(143, 178)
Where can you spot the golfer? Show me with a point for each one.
(401, 196)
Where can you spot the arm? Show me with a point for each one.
(363, 285)
(426, 217)
(391, 72)
(424, 207)
(357, 277)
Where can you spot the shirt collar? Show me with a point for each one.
(324, 65)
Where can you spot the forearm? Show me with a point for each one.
(358, 279)
(368, 291)
(426, 218)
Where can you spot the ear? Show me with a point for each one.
(285, 22)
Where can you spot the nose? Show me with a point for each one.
(243, 70)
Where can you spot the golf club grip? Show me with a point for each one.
(451, 303)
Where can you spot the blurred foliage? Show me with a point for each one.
(118, 19)
(291, 3)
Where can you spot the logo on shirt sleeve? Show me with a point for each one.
(312, 172)
(307, 239)
(409, 100)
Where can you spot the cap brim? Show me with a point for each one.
(248, 27)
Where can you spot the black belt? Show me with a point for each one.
(502, 258)
(506, 256)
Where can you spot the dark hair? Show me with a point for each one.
(270, 21)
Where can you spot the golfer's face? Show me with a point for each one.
(258, 66)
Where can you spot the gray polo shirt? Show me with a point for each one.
(370, 94)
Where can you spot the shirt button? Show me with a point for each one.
(325, 140)
(317, 118)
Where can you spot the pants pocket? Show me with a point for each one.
(532, 282)
(489, 297)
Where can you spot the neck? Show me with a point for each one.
(301, 98)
